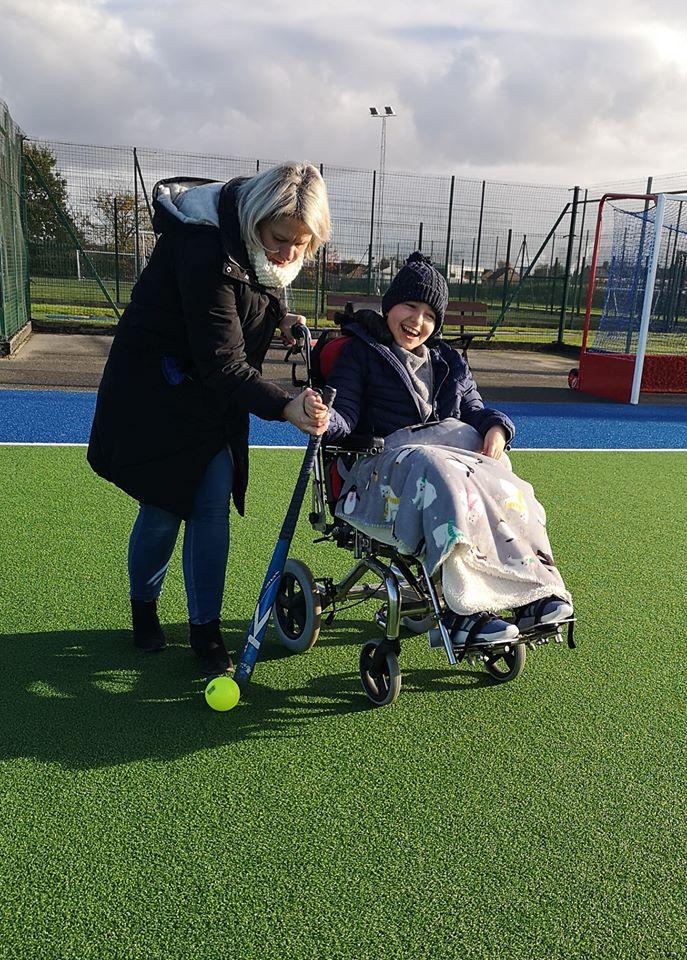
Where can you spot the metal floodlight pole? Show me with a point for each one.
(374, 112)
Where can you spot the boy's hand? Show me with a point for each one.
(308, 412)
(314, 406)
(285, 327)
(494, 442)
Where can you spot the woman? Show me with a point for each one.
(184, 373)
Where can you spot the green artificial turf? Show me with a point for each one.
(538, 819)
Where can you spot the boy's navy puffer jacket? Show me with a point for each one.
(375, 395)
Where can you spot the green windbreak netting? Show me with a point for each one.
(14, 312)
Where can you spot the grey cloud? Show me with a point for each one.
(514, 98)
(508, 89)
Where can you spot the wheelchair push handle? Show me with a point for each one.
(300, 333)
(302, 347)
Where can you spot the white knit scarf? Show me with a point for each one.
(271, 275)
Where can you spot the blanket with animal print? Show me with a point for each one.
(431, 494)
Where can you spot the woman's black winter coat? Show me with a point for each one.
(375, 395)
(184, 370)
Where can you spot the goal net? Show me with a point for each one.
(635, 335)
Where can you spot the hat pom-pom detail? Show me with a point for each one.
(418, 257)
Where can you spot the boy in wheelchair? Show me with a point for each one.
(442, 487)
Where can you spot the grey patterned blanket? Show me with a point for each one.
(431, 494)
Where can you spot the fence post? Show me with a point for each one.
(553, 285)
(116, 246)
(316, 285)
(448, 231)
(578, 281)
(419, 239)
(143, 188)
(137, 265)
(673, 295)
(372, 233)
(323, 248)
(24, 211)
(521, 256)
(506, 275)
(580, 286)
(479, 240)
(568, 264)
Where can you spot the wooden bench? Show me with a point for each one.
(459, 315)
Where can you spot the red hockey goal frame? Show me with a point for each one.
(611, 375)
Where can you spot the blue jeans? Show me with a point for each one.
(206, 545)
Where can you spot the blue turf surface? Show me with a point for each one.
(47, 416)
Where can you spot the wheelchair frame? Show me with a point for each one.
(411, 595)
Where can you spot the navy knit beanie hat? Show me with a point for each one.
(418, 279)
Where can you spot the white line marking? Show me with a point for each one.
(269, 446)
(598, 450)
(39, 443)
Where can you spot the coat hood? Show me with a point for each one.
(189, 200)
(206, 204)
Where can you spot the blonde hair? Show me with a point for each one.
(288, 190)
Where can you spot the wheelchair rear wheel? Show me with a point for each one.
(504, 666)
(297, 608)
(381, 677)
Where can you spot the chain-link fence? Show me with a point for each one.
(524, 249)
(14, 275)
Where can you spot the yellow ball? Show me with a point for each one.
(222, 693)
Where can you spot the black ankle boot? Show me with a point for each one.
(208, 645)
(148, 633)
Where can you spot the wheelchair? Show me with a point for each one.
(410, 596)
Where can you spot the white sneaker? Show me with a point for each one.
(548, 610)
(482, 630)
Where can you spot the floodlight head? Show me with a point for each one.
(389, 111)
(374, 111)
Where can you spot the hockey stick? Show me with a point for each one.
(263, 610)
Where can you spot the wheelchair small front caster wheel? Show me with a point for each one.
(380, 674)
(297, 608)
(504, 664)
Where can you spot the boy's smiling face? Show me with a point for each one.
(411, 323)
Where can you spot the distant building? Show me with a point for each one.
(498, 275)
